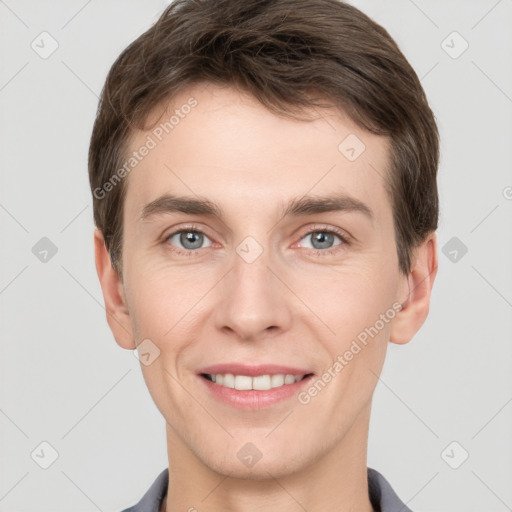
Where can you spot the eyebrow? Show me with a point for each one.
(306, 205)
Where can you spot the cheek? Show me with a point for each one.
(152, 299)
(356, 303)
(165, 302)
(346, 298)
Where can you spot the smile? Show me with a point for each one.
(259, 382)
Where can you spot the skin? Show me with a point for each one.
(291, 306)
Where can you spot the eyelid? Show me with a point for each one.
(345, 237)
(169, 233)
(346, 241)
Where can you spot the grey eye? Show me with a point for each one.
(321, 239)
(189, 240)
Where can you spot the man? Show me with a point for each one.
(264, 186)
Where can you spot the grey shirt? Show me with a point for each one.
(382, 495)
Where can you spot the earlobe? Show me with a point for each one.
(420, 281)
(117, 313)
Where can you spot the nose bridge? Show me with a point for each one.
(253, 298)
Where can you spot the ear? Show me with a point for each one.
(416, 289)
(118, 317)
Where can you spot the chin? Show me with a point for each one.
(275, 466)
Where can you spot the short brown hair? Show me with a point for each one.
(282, 52)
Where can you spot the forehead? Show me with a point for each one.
(220, 143)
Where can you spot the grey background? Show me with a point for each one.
(64, 380)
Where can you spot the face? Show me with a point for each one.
(259, 247)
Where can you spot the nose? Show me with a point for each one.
(253, 302)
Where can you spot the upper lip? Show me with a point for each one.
(252, 370)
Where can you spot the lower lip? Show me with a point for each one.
(252, 399)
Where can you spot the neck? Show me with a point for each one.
(337, 480)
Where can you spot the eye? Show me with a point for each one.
(323, 240)
(188, 239)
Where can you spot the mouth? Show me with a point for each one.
(258, 382)
(253, 387)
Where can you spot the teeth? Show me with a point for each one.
(277, 380)
(261, 382)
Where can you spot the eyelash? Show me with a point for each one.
(345, 240)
